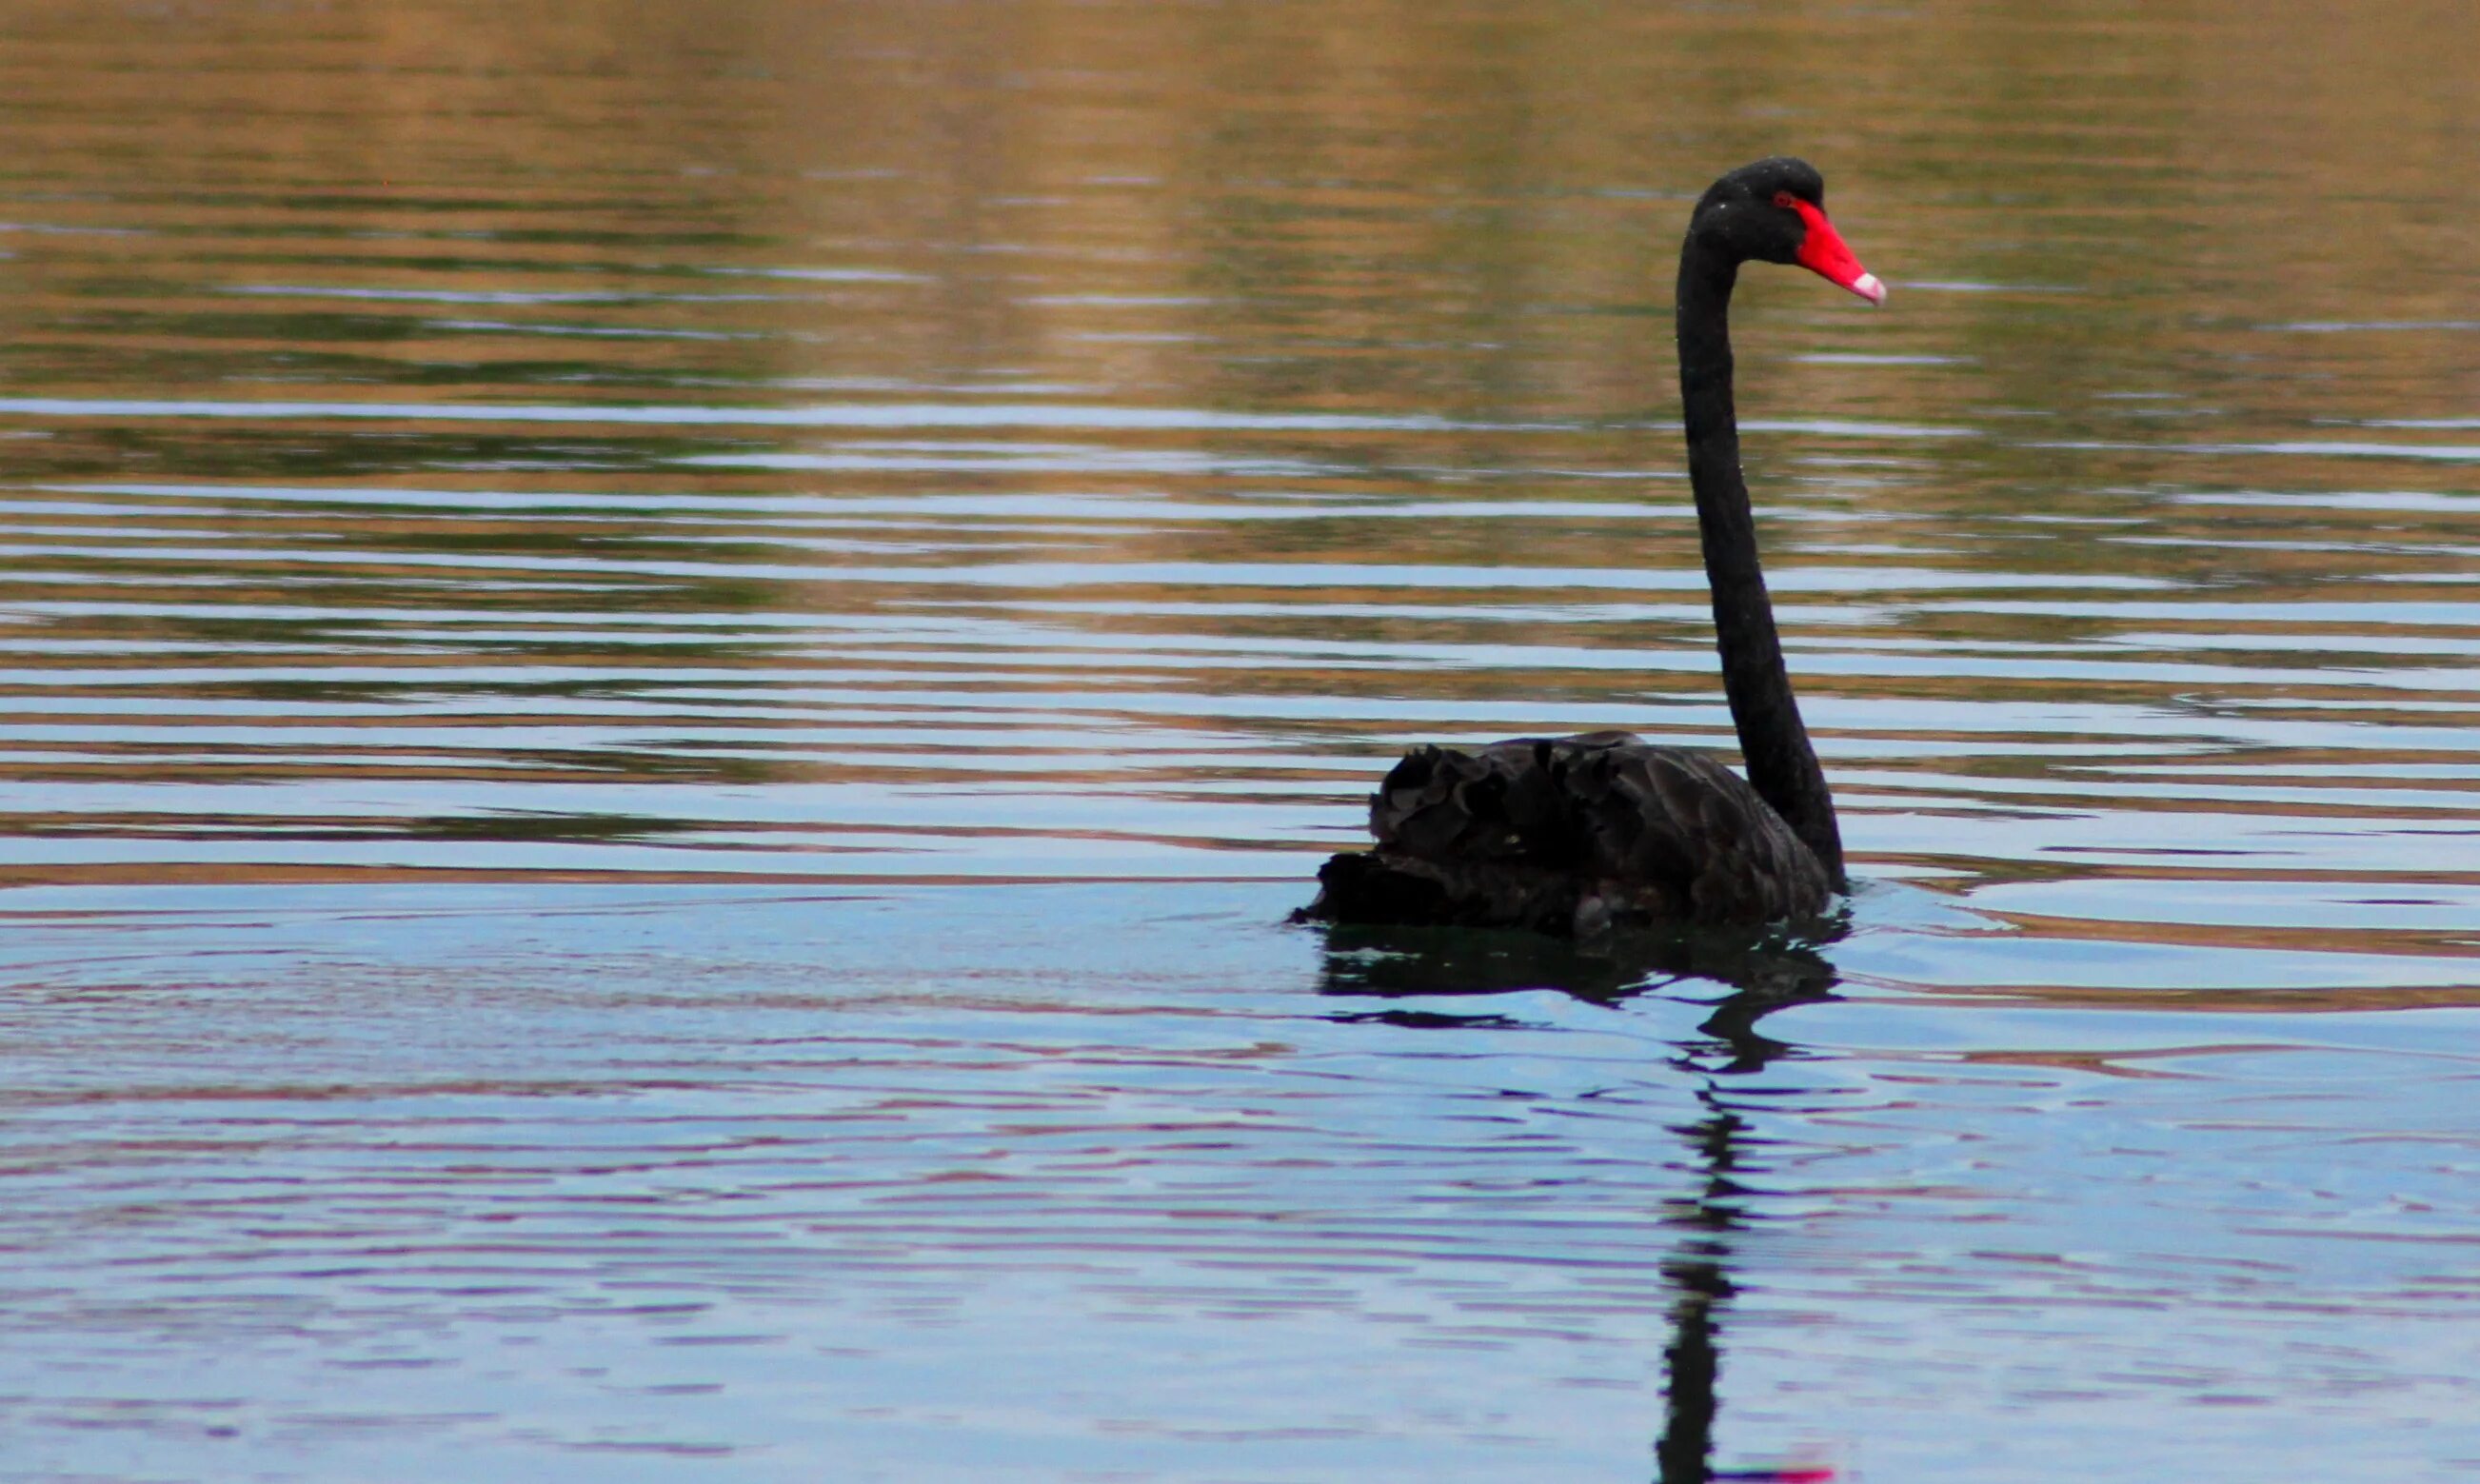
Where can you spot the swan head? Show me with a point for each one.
(1774, 212)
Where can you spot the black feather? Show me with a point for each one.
(1569, 835)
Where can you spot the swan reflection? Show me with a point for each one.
(1756, 975)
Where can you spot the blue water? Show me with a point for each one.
(671, 670)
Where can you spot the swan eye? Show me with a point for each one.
(1783, 199)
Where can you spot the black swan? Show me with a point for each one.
(1574, 834)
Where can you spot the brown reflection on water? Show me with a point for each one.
(2096, 535)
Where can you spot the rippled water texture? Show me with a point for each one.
(670, 666)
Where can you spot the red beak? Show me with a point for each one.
(1823, 253)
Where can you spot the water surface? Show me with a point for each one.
(671, 667)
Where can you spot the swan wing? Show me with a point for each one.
(1600, 827)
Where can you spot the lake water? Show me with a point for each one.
(670, 668)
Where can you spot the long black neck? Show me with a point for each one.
(1782, 765)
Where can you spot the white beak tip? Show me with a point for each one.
(1869, 287)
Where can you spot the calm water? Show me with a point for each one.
(670, 667)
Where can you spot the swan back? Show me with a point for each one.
(1570, 835)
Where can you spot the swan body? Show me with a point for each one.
(1571, 835)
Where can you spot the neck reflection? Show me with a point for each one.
(1759, 975)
